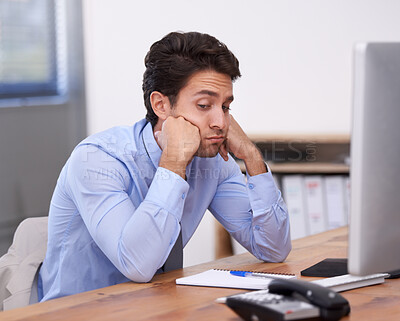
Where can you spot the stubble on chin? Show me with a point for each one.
(207, 151)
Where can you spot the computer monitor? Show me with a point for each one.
(374, 232)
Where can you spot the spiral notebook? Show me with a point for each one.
(225, 279)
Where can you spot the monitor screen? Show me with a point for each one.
(374, 234)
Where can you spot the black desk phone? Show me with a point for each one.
(290, 300)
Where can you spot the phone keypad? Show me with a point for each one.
(287, 307)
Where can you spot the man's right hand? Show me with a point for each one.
(179, 141)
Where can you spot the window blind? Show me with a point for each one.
(29, 64)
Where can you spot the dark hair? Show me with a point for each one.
(172, 60)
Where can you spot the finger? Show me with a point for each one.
(188, 121)
(224, 152)
(158, 137)
(223, 155)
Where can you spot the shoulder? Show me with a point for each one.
(118, 142)
(112, 150)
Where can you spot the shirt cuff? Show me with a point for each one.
(169, 191)
(262, 190)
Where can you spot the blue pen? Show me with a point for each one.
(253, 274)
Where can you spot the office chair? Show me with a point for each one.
(19, 267)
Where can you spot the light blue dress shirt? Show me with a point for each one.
(114, 215)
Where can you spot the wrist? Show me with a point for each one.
(252, 154)
(254, 162)
(173, 164)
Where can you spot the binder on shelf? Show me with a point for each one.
(315, 203)
(293, 191)
(335, 201)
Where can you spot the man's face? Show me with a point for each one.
(204, 102)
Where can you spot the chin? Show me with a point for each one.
(207, 152)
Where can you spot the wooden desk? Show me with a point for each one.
(163, 300)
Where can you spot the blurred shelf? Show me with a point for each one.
(304, 168)
(304, 154)
(301, 138)
(309, 168)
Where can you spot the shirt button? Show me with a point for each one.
(251, 186)
(183, 196)
(257, 227)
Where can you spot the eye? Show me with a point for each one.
(226, 108)
(202, 106)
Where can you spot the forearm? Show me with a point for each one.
(145, 242)
(272, 236)
(134, 227)
(147, 237)
(271, 215)
(156, 222)
(173, 164)
(255, 214)
(254, 161)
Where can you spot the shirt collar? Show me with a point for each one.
(150, 145)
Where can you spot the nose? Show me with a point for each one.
(219, 118)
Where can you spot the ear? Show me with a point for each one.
(160, 104)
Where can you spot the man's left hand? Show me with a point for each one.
(243, 148)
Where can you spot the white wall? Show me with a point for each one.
(295, 56)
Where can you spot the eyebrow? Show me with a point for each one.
(212, 94)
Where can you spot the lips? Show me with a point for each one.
(216, 139)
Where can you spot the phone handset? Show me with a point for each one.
(290, 300)
(332, 305)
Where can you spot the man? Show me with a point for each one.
(129, 198)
